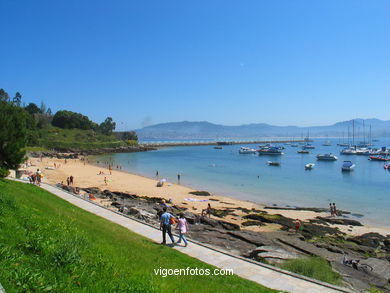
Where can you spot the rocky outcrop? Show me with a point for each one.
(200, 193)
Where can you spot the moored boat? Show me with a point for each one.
(348, 151)
(309, 166)
(246, 150)
(379, 158)
(271, 163)
(303, 152)
(347, 166)
(270, 151)
(308, 147)
(218, 147)
(326, 157)
(386, 166)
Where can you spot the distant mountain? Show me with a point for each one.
(207, 130)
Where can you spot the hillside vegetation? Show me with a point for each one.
(49, 245)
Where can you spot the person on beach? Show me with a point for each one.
(334, 210)
(207, 211)
(331, 209)
(105, 180)
(71, 180)
(156, 173)
(178, 178)
(297, 225)
(165, 226)
(182, 225)
(67, 181)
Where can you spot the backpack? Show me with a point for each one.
(172, 220)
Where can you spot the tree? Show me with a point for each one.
(33, 109)
(13, 137)
(17, 100)
(108, 126)
(128, 135)
(4, 96)
(70, 120)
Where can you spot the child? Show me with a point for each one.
(182, 225)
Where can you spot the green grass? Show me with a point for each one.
(49, 245)
(58, 138)
(313, 267)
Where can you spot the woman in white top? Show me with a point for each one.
(182, 225)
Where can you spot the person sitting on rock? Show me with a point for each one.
(207, 211)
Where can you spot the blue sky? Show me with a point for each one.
(228, 62)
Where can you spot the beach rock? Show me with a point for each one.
(222, 213)
(93, 190)
(246, 236)
(191, 218)
(200, 193)
(273, 254)
(340, 221)
(330, 248)
(373, 240)
(116, 204)
(219, 223)
(252, 223)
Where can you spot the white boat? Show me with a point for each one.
(246, 150)
(348, 151)
(363, 152)
(326, 157)
(348, 166)
(309, 166)
(270, 163)
(327, 143)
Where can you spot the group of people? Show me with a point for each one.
(178, 177)
(167, 220)
(69, 180)
(36, 177)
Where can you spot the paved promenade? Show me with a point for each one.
(263, 274)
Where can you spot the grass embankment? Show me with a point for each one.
(58, 138)
(47, 244)
(313, 267)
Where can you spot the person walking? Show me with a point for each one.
(165, 226)
(71, 180)
(156, 173)
(67, 181)
(178, 178)
(182, 225)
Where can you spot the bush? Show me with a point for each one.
(313, 267)
(3, 172)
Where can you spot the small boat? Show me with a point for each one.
(303, 152)
(309, 166)
(386, 166)
(344, 144)
(270, 151)
(347, 166)
(378, 158)
(246, 150)
(308, 147)
(327, 143)
(270, 163)
(326, 157)
(218, 147)
(294, 145)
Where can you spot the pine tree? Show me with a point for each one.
(13, 137)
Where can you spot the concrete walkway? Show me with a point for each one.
(265, 275)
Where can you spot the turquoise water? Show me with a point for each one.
(366, 190)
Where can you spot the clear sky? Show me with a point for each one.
(228, 62)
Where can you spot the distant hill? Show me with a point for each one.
(207, 130)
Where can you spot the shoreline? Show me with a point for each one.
(86, 176)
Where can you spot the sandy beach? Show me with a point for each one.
(87, 175)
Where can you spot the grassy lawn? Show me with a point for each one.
(48, 245)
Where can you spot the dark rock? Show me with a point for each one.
(200, 193)
(252, 223)
(340, 221)
(116, 204)
(93, 190)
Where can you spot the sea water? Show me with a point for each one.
(364, 191)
